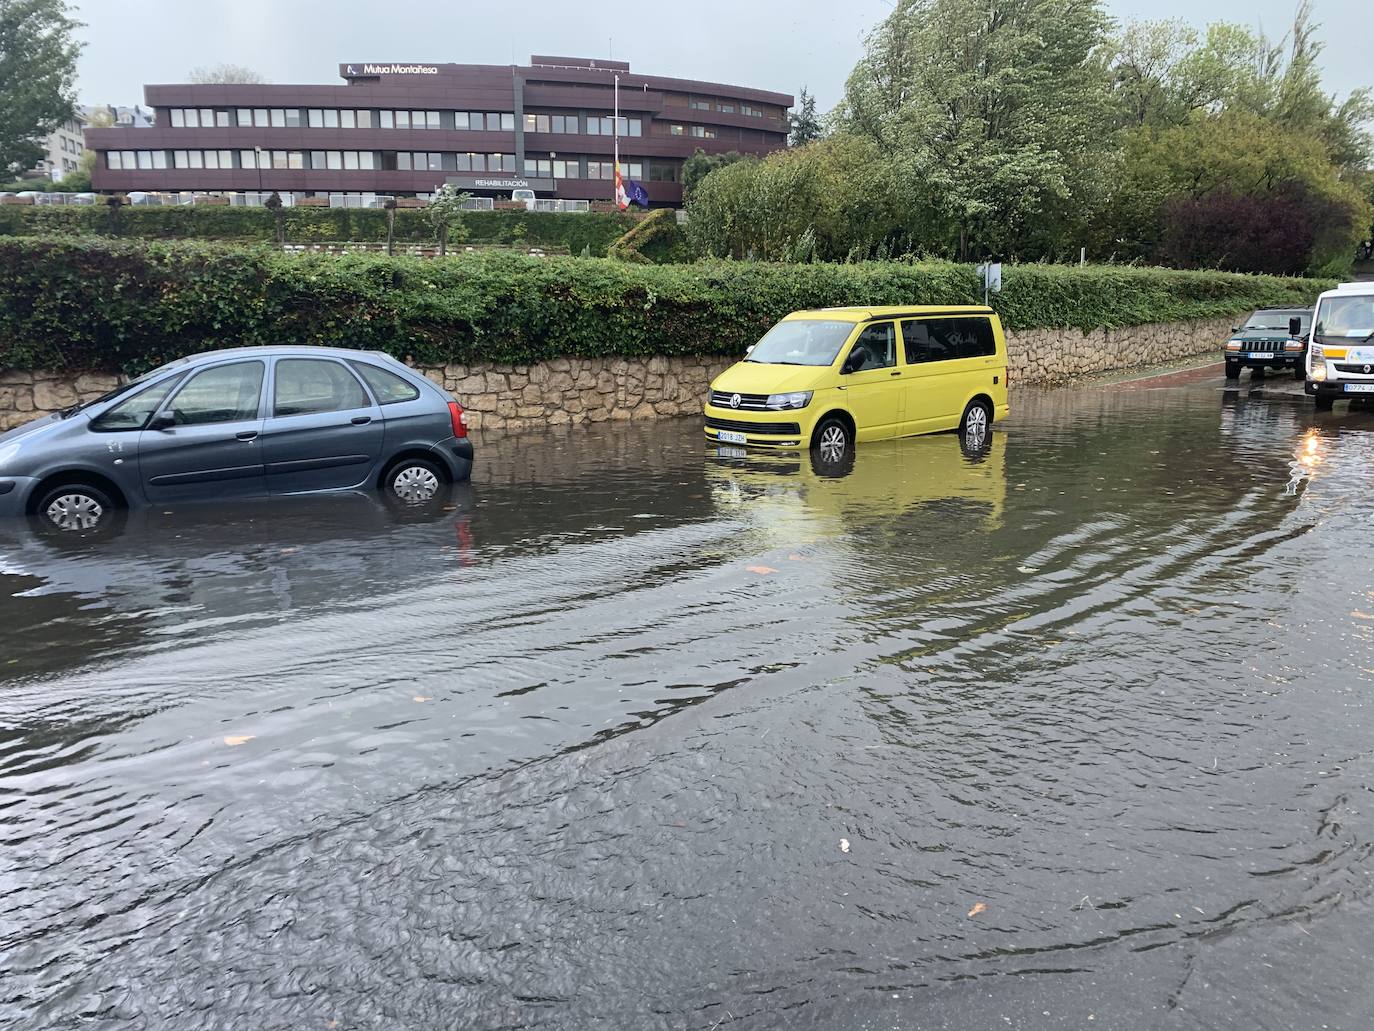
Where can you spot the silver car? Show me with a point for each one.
(238, 423)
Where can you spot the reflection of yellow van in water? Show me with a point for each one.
(836, 376)
(799, 498)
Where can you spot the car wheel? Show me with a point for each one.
(413, 481)
(975, 425)
(1323, 404)
(1257, 372)
(1299, 373)
(832, 441)
(76, 508)
(1233, 371)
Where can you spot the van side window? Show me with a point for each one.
(878, 345)
(938, 340)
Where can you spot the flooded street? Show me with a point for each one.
(1072, 733)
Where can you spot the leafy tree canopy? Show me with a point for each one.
(805, 126)
(37, 76)
(225, 73)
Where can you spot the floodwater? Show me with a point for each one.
(1074, 733)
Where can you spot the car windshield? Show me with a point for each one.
(122, 389)
(1276, 319)
(802, 342)
(1346, 316)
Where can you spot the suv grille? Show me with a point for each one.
(753, 402)
(1266, 346)
(773, 428)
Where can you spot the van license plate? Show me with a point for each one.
(1260, 354)
(1359, 388)
(731, 452)
(731, 437)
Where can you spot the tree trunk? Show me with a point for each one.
(443, 241)
(390, 231)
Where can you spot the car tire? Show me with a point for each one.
(413, 481)
(1257, 372)
(1233, 372)
(833, 442)
(975, 426)
(75, 508)
(1299, 373)
(1323, 404)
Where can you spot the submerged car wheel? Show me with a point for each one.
(1299, 373)
(413, 481)
(1233, 370)
(975, 425)
(832, 442)
(75, 508)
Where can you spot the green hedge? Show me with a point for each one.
(657, 239)
(101, 304)
(593, 231)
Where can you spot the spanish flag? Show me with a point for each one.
(622, 201)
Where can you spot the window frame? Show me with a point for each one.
(898, 351)
(191, 375)
(358, 365)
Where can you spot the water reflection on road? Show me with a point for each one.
(577, 747)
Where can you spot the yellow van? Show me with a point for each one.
(833, 377)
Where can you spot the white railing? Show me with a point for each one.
(565, 206)
(478, 204)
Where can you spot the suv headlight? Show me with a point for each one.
(1233, 345)
(797, 399)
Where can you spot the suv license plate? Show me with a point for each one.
(1359, 388)
(1260, 354)
(731, 437)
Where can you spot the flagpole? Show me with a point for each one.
(615, 196)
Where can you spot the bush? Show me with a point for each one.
(311, 225)
(115, 305)
(656, 240)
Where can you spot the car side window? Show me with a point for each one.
(876, 346)
(940, 340)
(225, 393)
(388, 387)
(309, 386)
(133, 412)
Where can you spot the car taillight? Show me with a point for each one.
(460, 419)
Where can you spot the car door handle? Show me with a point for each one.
(896, 374)
(362, 420)
(247, 435)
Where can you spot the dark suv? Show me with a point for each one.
(1266, 341)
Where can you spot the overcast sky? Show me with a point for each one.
(768, 44)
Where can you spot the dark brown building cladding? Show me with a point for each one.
(403, 129)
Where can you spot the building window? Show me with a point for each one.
(508, 122)
(460, 119)
(244, 116)
(537, 123)
(403, 161)
(539, 168)
(751, 111)
(432, 120)
(315, 118)
(331, 118)
(676, 130)
(385, 120)
(333, 159)
(567, 169)
(703, 132)
(260, 117)
(222, 119)
(727, 109)
(700, 105)
(248, 159)
(178, 118)
(364, 119)
(350, 160)
(293, 118)
(278, 119)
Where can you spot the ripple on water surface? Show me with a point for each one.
(579, 747)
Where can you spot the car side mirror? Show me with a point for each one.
(1235, 329)
(165, 421)
(1295, 327)
(853, 363)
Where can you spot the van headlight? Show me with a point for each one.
(1317, 353)
(796, 399)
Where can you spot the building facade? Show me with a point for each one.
(63, 148)
(404, 129)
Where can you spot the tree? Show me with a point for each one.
(806, 127)
(100, 118)
(446, 216)
(225, 73)
(701, 164)
(1002, 110)
(37, 76)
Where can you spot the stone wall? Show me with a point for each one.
(571, 391)
(1048, 356)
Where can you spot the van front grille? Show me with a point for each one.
(752, 402)
(775, 429)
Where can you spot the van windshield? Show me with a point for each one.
(802, 342)
(1346, 316)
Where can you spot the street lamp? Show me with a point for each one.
(257, 160)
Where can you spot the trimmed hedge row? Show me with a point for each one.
(593, 231)
(113, 305)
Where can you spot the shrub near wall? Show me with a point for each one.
(592, 231)
(112, 305)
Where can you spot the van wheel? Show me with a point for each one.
(832, 440)
(1323, 404)
(75, 508)
(975, 424)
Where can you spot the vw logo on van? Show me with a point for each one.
(734, 400)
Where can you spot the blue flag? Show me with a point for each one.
(636, 194)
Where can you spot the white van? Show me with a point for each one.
(1340, 351)
(523, 195)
